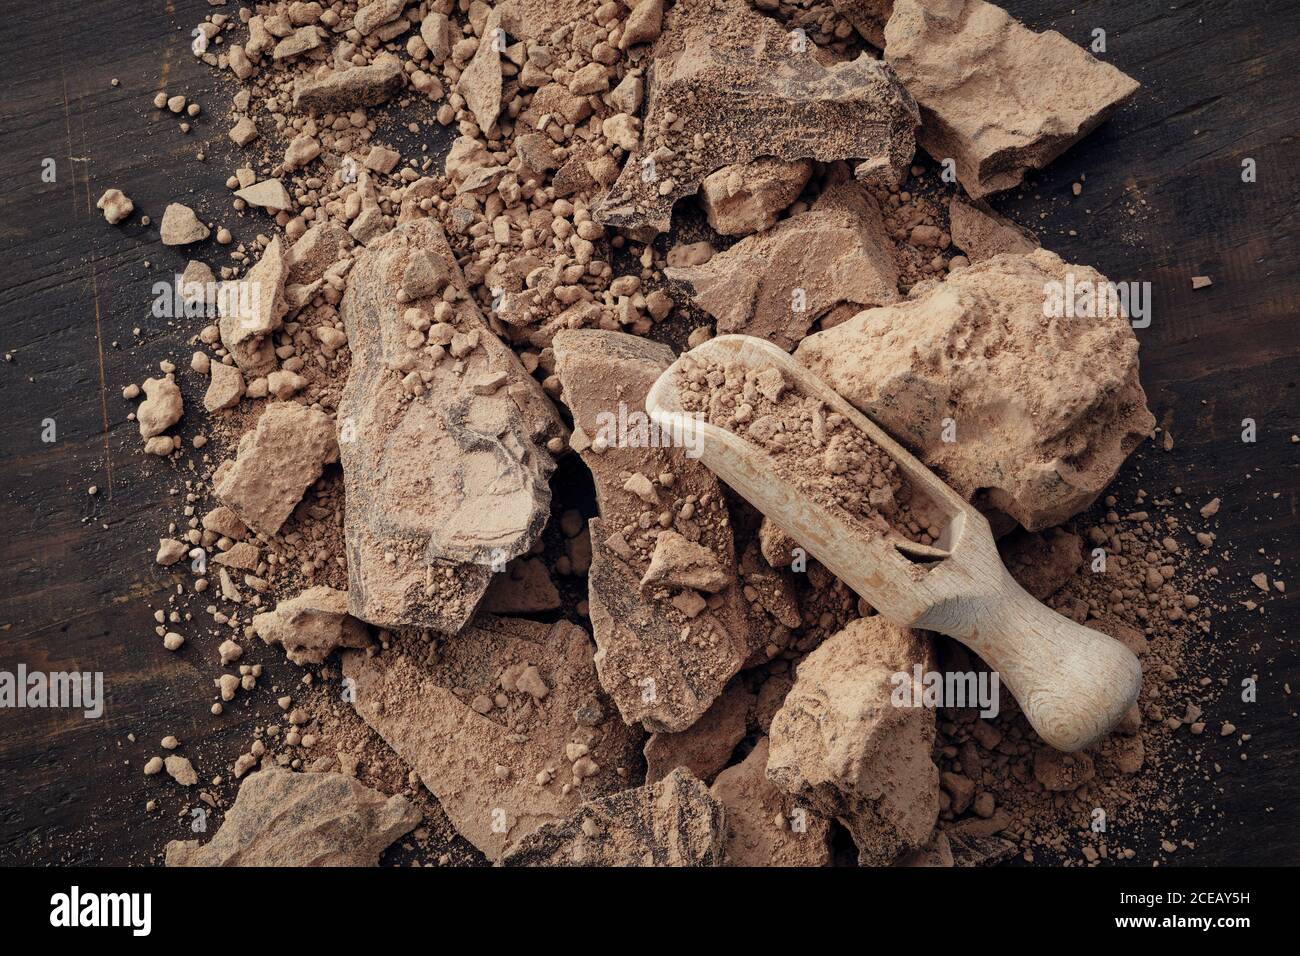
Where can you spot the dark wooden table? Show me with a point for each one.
(1164, 200)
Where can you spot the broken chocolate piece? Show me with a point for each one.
(671, 823)
(684, 564)
(662, 667)
(747, 197)
(180, 226)
(982, 234)
(776, 284)
(275, 464)
(765, 827)
(480, 83)
(315, 251)
(996, 97)
(312, 625)
(373, 15)
(444, 484)
(116, 206)
(723, 96)
(162, 407)
(704, 747)
(225, 387)
(355, 86)
(281, 818)
(251, 309)
(840, 743)
(521, 744)
(268, 194)
(643, 24)
(1045, 409)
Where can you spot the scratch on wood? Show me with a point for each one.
(94, 280)
(167, 52)
(67, 123)
(103, 385)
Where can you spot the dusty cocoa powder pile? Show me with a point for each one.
(817, 450)
(1117, 800)
(422, 602)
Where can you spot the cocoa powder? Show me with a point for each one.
(696, 611)
(817, 450)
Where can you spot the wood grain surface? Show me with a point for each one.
(1163, 201)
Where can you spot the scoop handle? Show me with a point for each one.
(1073, 683)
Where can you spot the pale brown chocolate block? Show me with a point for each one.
(996, 97)
(281, 818)
(840, 743)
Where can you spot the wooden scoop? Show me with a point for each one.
(1073, 683)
